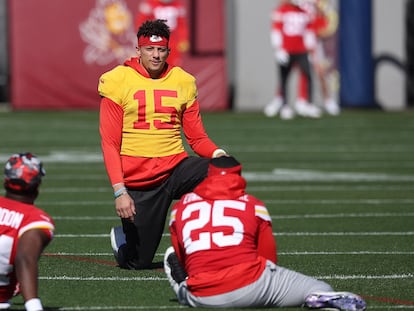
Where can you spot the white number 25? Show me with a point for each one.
(214, 216)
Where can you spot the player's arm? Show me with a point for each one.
(29, 249)
(110, 127)
(266, 244)
(196, 135)
(276, 39)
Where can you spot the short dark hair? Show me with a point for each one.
(156, 27)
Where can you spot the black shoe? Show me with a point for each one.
(173, 269)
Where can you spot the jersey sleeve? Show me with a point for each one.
(266, 244)
(195, 133)
(109, 84)
(110, 128)
(37, 219)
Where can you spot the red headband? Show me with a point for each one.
(152, 40)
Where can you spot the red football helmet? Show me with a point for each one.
(23, 173)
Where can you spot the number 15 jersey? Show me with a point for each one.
(152, 108)
(141, 121)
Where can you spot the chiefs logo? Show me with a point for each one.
(155, 38)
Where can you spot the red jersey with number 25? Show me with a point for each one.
(16, 218)
(221, 235)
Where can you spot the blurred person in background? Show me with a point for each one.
(223, 252)
(146, 105)
(175, 13)
(325, 23)
(292, 38)
(25, 231)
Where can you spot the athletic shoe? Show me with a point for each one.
(344, 301)
(117, 240)
(273, 107)
(332, 107)
(287, 113)
(173, 269)
(305, 109)
(5, 305)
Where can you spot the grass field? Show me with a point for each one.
(340, 191)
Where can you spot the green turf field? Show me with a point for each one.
(340, 191)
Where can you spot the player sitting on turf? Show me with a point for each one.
(223, 238)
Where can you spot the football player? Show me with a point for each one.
(224, 252)
(146, 105)
(292, 37)
(25, 231)
(176, 16)
(325, 22)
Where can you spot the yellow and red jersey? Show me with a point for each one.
(141, 121)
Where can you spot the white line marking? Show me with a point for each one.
(150, 279)
(403, 233)
(343, 253)
(343, 233)
(92, 278)
(344, 215)
(371, 277)
(336, 201)
(275, 175)
(294, 216)
(326, 188)
(388, 307)
(279, 188)
(87, 218)
(285, 202)
(292, 253)
(309, 175)
(123, 308)
(98, 308)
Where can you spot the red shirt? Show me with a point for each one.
(221, 235)
(16, 218)
(293, 24)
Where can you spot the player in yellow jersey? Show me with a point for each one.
(146, 104)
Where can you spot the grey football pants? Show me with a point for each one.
(277, 287)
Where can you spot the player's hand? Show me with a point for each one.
(282, 57)
(219, 153)
(125, 207)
